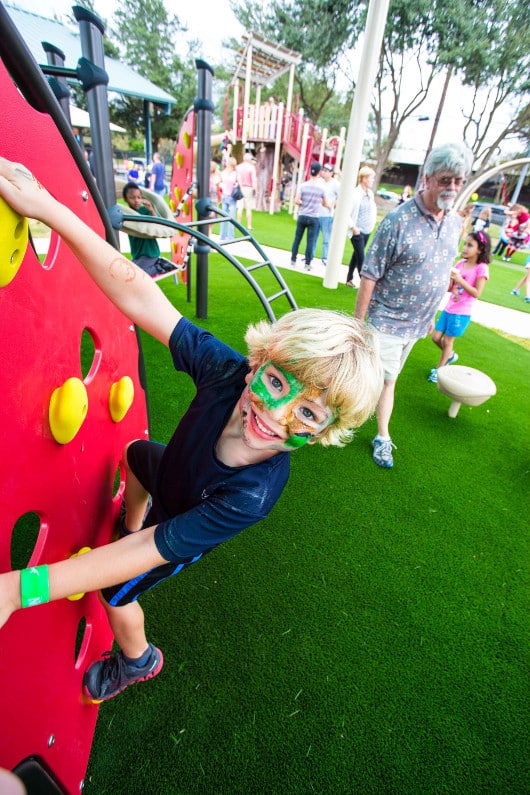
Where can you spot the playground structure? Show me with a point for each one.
(277, 133)
(73, 393)
(69, 360)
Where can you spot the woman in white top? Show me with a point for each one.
(362, 219)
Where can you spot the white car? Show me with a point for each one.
(388, 195)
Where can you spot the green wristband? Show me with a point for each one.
(34, 586)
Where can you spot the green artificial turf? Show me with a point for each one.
(371, 635)
(278, 231)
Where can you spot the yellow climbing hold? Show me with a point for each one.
(76, 596)
(187, 139)
(13, 242)
(121, 397)
(68, 409)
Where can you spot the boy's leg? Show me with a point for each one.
(135, 661)
(135, 496)
(127, 624)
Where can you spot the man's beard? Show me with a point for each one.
(445, 201)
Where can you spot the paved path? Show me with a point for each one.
(510, 321)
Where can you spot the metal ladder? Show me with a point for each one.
(249, 272)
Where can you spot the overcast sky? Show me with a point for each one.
(220, 21)
(221, 24)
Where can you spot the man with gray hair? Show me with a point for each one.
(406, 274)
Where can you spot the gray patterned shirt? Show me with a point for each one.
(409, 260)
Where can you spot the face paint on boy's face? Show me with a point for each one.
(300, 411)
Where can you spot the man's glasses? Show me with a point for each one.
(446, 182)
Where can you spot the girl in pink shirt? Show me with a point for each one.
(468, 278)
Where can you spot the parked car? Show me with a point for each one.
(498, 215)
(388, 195)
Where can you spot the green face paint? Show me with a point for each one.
(260, 389)
(298, 440)
(292, 394)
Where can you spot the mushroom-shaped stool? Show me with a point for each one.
(464, 385)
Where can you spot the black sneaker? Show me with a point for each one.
(122, 529)
(109, 676)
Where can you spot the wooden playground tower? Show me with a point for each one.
(274, 130)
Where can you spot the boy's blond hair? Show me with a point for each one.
(329, 351)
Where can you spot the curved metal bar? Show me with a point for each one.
(475, 183)
(190, 229)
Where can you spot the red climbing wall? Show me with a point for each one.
(70, 489)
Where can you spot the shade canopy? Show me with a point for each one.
(36, 29)
(269, 60)
(81, 118)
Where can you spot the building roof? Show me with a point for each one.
(35, 29)
(269, 60)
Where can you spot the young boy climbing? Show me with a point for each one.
(311, 377)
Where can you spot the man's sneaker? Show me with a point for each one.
(526, 300)
(307, 266)
(433, 376)
(109, 676)
(324, 262)
(515, 292)
(453, 358)
(382, 454)
(293, 263)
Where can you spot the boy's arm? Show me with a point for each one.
(127, 286)
(99, 568)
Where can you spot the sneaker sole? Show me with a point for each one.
(91, 700)
(383, 464)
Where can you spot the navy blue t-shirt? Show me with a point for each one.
(204, 501)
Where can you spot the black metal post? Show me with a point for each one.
(203, 107)
(148, 133)
(91, 30)
(56, 57)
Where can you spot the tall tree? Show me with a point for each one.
(147, 37)
(318, 30)
(497, 68)
(485, 42)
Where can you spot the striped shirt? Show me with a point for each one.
(311, 194)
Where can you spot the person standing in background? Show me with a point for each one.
(157, 180)
(362, 220)
(406, 273)
(310, 198)
(228, 204)
(331, 188)
(246, 176)
(406, 194)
